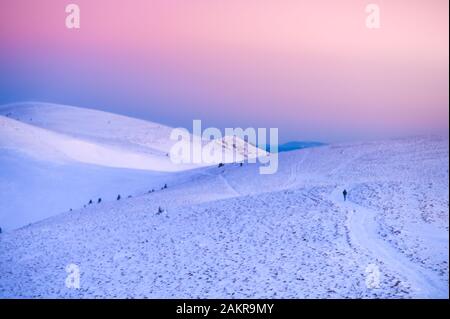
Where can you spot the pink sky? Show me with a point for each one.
(311, 68)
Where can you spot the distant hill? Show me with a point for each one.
(295, 145)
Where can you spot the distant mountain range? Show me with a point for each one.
(295, 145)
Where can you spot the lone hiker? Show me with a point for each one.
(345, 194)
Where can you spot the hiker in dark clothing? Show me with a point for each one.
(345, 194)
(118, 197)
(99, 201)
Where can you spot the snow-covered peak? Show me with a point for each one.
(235, 149)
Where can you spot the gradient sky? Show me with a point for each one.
(310, 68)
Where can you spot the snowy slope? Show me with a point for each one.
(99, 137)
(54, 158)
(92, 125)
(230, 232)
(31, 190)
(50, 146)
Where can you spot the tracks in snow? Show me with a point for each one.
(294, 170)
(363, 231)
(228, 185)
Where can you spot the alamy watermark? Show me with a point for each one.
(73, 17)
(73, 276)
(372, 20)
(373, 276)
(209, 146)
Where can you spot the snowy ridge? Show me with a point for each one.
(106, 135)
(47, 145)
(92, 125)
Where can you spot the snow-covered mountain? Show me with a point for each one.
(54, 158)
(230, 232)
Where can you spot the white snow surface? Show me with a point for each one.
(230, 232)
(54, 158)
